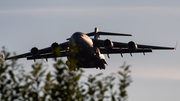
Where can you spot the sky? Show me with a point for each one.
(156, 76)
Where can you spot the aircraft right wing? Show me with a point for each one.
(49, 52)
(49, 55)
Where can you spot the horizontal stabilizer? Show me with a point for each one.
(108, 33)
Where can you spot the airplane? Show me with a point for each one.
(88, 52)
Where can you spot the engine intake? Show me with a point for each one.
(108, 44)
(132, 46)
(35, 52)
(54, 46)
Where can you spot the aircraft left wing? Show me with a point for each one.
(116, 51)
(110, 47)
(48, 52)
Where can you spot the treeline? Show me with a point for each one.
(63, 84)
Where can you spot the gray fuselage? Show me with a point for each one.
(84, 51)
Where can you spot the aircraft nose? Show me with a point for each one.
(76, 38)
(77, 34)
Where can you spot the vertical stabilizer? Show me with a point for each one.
(96, 35)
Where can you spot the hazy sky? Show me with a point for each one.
(156, 76)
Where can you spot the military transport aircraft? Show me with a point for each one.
(88, 52)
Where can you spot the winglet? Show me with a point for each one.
(4, 58)
(176, 45)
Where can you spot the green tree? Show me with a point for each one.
(63, 84)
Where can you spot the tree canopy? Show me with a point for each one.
(63, 84)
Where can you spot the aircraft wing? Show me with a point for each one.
(49, 55)
(48, 52)
(116, 51)
(120, 47)
(156, 47)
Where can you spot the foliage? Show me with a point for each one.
(61, 85)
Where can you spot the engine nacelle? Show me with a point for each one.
(108, 44)
(35, 52)
(132, 46)
(54, 46)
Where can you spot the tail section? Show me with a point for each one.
(97, 33)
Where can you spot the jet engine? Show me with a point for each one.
(108, 44)
(35, 52)
(54, 46)
(132, 46)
